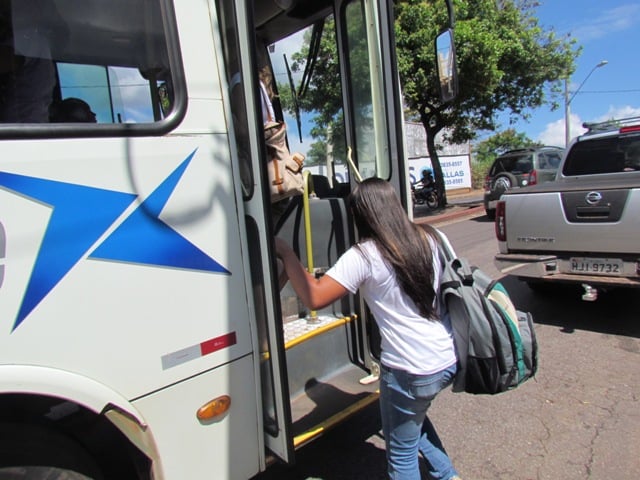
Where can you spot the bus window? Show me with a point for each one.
(118, 62)
(320, 135)
(371, 139)
(116, 94)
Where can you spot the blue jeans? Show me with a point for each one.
(404, 400)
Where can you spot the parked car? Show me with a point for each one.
(519, 168)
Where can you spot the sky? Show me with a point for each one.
(606, 30)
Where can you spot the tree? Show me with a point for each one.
(323, 95)
(486, 151)
(506, 62)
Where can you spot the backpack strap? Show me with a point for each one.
(464, 270)
(461, 266)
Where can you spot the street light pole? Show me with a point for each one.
(567, 102)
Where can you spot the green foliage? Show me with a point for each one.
(479, 172)
(505, 60)
(322, 98)
(489, 149)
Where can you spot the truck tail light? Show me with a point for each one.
(501, 222)
(533, 177)
(630, 129)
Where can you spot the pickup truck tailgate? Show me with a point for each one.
(573, 221)
(584, 227)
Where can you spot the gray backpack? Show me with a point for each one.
(495, 343)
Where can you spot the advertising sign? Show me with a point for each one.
(455, 169)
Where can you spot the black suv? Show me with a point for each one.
(519, 168)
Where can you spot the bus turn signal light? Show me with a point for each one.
(214, 409)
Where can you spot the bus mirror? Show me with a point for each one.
(446, 66)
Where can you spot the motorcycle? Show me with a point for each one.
(424, 195)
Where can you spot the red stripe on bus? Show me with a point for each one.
(218, 343)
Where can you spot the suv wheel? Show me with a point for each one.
(503, 182)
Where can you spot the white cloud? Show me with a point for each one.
(614, 20)
(553, 133)
(619, 112)
(130, 95)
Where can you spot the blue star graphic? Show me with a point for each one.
(81, 214)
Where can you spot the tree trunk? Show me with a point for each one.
(431, 130)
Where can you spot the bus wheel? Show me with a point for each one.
(33, 452)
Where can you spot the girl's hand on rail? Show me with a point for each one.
(314, 292)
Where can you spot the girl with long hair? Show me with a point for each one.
(396, 268)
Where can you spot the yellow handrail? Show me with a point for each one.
(307, 233)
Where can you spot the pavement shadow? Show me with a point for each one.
(346, 454)
(561, 305)
(482, 218)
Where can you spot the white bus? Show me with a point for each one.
(143, 334)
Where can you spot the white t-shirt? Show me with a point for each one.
(410, 342)
(268, 115)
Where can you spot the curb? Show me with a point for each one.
(459, 212)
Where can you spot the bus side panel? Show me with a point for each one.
(122, 262)
(226, 448)
(132, 258)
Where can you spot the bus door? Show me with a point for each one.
(237, 30)
(373, 112)
(336, 89)
(374, 121)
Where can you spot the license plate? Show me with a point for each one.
(596, 266)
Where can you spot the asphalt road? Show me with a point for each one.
(577, 419)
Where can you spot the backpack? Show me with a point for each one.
(495, 343)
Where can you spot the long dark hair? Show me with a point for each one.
(379, 216)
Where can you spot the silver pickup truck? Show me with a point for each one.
(584, 227)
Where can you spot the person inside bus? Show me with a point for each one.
(239, 107)
(395, 267)
(71, 110)
(267, 96)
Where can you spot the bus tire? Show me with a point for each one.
(34, 452)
